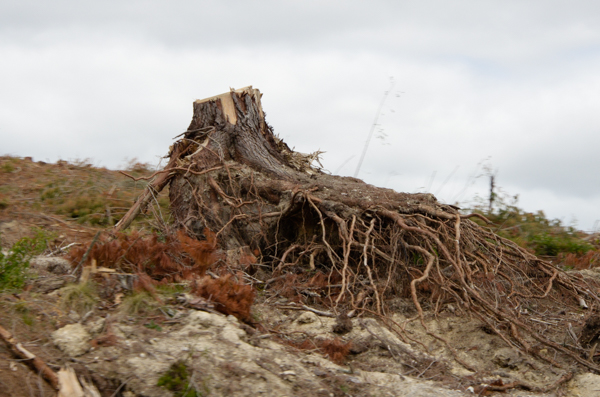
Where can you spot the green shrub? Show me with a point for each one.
(552, 245)
(15, 263)
(534, 231)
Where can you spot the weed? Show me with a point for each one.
(177, 379)
(153, 325)
(139, 303)
(257, 317)
(578, 261)
(335, 349)
(15, 263)
(80, 298)
(170, 290)
(552, 245)
(178, 258)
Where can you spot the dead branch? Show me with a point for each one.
(31, 359)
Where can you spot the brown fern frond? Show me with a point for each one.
(204, 253)
(230, 297)
(336, 349)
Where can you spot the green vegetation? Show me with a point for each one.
(177, 379)
(80, 298)
(14, 264)
(534, 231)
(7, 167)
(153, 325)
(146, 302)
(22, 308)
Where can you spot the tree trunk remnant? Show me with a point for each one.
(349, 246)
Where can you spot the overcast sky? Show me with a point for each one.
(508, 86)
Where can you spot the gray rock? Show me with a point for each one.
(51, 264)
(72, 339)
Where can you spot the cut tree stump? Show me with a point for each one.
(351, 246)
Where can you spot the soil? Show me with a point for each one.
(290, 347)
(126, 355)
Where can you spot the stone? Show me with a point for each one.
(51, 264)
(72, 339)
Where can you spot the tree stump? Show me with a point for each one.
(346, 244)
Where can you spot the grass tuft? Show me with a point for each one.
(137, 303)
(80, 298)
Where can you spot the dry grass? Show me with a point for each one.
(72, 191)
(80, 298)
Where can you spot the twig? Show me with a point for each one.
(304, 307)
(84, 257)
(121, 386)
(63, 248)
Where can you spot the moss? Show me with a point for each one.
(177, 379)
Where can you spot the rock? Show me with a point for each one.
(51, 264)
(307, 318)
(72, 339)
(96, 326)
(584, 385)
(45, 285)
(507, 358)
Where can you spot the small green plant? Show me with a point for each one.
(80, 298)
(14, 265)
(552, 245)
(153, 325)
(177, 379)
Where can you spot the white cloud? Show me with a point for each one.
(517, 81)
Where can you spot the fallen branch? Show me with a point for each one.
(35, 362)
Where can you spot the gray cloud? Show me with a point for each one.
(515, 81)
